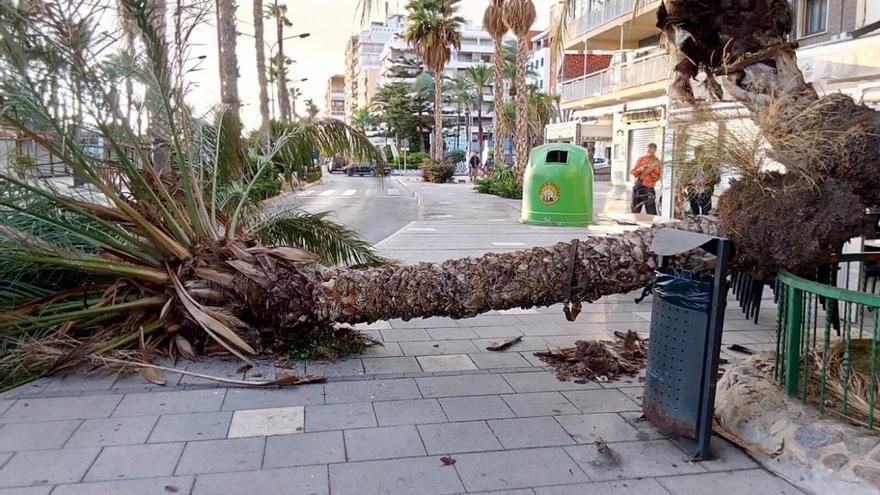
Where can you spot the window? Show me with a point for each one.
(815, 17)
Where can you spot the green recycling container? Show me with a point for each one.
(558, 186)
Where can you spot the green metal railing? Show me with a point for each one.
(828, 339)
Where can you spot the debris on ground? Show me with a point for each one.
(447, 460)
(752, 448)
(741, 348)
(500, 346)
(607, 456)
(598, 360)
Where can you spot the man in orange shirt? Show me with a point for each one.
(647, 173)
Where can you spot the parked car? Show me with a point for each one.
(601, 162)
(336, 164)
(366, 168)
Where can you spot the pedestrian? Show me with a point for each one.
(647, 173)
(489, 166)
(703, 175)
(474, 166)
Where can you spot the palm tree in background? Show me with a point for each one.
(519, 15)
(433, 30)
(362, 119)
(461, 89)
(259, 44)
(480, 76)
(278, 12)
(493, 22)
(226, 44)
(312, 110)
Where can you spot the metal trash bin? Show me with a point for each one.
(558, 186)
(687, 321)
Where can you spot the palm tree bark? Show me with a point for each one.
(480, 121)
(157, 121)
(283, 94)
(499, 122)
(259, 43)
(456, 288)
(522, 109)
(438, 116)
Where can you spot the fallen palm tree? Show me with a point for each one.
(174, 266)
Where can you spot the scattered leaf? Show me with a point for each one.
(244, 369)
(447, 460)
(153, 376)
(171, 489)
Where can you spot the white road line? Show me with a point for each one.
(307, 192)
(497, 220)
(421, 229)
(508, 244)
(393, 192)
(350, 192)
(328, 192)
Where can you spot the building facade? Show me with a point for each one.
(334, 98)
(362, 63)
(539, 62)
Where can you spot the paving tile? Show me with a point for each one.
(517, 469)
(195, 426)
(475, 408)
(539, 404)
(83, 381)
(451, 333)
(304, 449)
(4, 458)
(752, 481)
(499, 360)
(367, 444)
(36, 436)
(301, 395)
(434, 322)
(485, 320)
(451, 362)
(587, 428)
(310, 480)
(376, 325)
(599, 401)
(634, 460)
(265, 422)
(623, 487)
(449, 438)
(185, 401)
(497, 332)
(220, 456)
(543, 329)
(339, 416)
(533, 360)
(438, 347)
(637, 420)
(47, 467)
(135, 461)
(408, 335)
(61, 408)
(113, 431)
(373, 390)
(728, 457)
(4, 405)
(151, 486)
(388, 349)
(451, 386)
(524, 491)
(31, 490)
(425, 476)
(347, 367)
(544, 381)
(409, 412)
(379, 365)
(526, 344)
(522, 433)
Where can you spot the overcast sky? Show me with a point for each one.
(331, 23)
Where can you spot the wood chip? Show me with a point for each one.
(741, 348)
(500, 346)
(447, 460)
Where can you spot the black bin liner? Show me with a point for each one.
(677, 349)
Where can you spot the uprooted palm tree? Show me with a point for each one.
(161, 266)
(433, 30)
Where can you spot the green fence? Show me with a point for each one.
(828, 339)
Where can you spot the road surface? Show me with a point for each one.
(373, 207)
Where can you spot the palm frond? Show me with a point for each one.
(334, 243)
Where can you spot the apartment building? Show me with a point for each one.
(334, 98)
(622, 108)
(362, 62)
(540, 62)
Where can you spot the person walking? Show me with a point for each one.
(489, 166)
(704, 176)
(647, 173)
(474, 166)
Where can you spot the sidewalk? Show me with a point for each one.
(429, 413)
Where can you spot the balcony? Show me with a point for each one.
(650, 74)
(613, 26)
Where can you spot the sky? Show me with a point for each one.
(322, 54)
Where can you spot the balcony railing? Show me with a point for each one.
(607, 13)
(618, 77)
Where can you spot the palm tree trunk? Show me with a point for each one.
(467, 130)
(283, 95)
(499, 123)
(156, 123)
(458, 126)
(457, 288)
(259, 43)
(480, 121)
(438, 116)
(522, 109)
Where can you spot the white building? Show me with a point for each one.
(539, 61)
(334, 98)
(362, 62)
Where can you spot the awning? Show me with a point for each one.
(843, 60)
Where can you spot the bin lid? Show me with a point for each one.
(669, 241)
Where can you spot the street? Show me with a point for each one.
(373, 207)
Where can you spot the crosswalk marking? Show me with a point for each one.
(328, 192)
(508, 244)
(350, 192)
(393, 192)
(307, 192)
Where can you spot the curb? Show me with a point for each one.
(278, 197)
(416, 195)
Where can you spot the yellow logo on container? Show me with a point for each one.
(549, 193)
